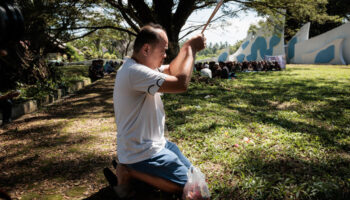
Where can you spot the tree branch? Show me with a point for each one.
(86, 34)
(197, 27)
(183, 11)
(97, 28)
(204, 5)
(143, 12)
(124, 12)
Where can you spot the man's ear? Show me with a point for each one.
(146, 49)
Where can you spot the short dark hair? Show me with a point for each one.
(147, 35)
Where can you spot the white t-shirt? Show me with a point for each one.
(139, 112)
(206, 72)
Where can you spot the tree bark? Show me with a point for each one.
(161, 12)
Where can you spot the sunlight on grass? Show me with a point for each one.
(266, 135)
(76, 191)
(297, 122)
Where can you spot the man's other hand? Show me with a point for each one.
(3, 53)
(197, 42)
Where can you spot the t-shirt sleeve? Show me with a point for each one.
(161, 68)
(144, 79)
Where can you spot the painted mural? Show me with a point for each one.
(223, 57)
(300, 36)
(264, 43)
(332, 47)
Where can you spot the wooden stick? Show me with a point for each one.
(212, 15)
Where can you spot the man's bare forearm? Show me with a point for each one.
(182, 65)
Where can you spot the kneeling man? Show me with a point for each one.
(143, 151)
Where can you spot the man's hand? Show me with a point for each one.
(10, 95)
(197, 42)
(180, 69)
(14, 94)
(3, 53)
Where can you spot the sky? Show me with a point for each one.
(235, 31)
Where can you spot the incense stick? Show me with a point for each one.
(212, 15)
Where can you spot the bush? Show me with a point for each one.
(73, 54)
(113, 56)
(107, 56)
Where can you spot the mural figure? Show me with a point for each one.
(257, 46)
(332, 47)
(300, 36)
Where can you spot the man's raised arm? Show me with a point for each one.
(180, 69)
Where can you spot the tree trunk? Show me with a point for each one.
(173, 49)
(139, 13)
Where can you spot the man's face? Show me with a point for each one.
(158, 51)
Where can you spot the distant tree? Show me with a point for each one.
(235, 47)
(336, 12)
(48, 26)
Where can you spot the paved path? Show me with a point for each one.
(60, 151)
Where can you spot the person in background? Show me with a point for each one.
(216, 71)
(108, 67)
(6, 106)
(224, 71)
(206, 72)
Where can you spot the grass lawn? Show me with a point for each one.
(267, 135)
(297, 128)
(75, 70)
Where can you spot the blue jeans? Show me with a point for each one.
(169, 164)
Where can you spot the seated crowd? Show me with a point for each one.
(98, 69)
(227, 70)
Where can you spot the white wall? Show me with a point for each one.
(316, 44)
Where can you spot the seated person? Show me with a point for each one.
(260, 66)
(143, 151)
(216, 71)
(225, 72)
(6, 106)
(206, 72)
(211, 66)
(244, 66)
(229, 65)
(108, 67)
(96, 70)
(255, 66)
(250, 67)
(277, 66)
(198, 67)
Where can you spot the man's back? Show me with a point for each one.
(206, 72)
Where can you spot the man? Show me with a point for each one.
(143, 151)
(6, 106)
(5, 100)
(206, 72)
(224, 71)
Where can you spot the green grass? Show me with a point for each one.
(74, 73)
(298, 121)
(78, 70)
(76, 191)
(32, 196)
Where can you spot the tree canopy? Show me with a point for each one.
(173, 14)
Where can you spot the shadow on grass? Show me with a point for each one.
(287, 178)
(142, 191)
(259, 95)
(321, 111)
(24, 141)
